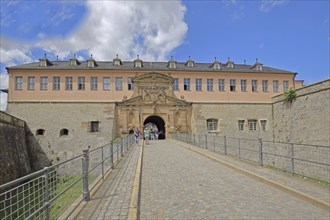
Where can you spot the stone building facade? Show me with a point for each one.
(70, 105)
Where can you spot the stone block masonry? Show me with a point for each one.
(20, 154)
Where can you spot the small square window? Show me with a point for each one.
(94, 126)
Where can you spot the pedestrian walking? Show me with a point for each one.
(137, 136)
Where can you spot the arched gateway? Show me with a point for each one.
(154, 101)
(159, 123)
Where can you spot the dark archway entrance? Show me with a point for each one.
(159, 122)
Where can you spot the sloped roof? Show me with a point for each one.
(152, 66)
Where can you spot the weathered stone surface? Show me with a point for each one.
(20, 152)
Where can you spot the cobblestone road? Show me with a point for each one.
(112, 199)
(180, 184)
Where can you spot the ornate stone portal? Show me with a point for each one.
(154, 101)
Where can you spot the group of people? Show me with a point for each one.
(148, 134)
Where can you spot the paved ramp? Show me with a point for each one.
(180, 184)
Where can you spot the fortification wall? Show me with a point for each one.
(20, 154)
(307, 119)
(228, 115)
(76, 118)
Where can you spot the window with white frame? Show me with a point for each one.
(119, 84)
(198, 84)
(81, 83)
(263, 124)
(243, 85)
(106, 83)
(186, 84)
(209, 84)
(275, 86)
(285, 86)
(252, 125)
(68, 83)
(19, 83)
(221, 85)
(241, 125)
(94, 83)
(130, 84)
(56, 83)
(31, 83)
(44, 83)
(176, 84)
(212, 124)
(265, 85)
(254, 85)
(232, 85)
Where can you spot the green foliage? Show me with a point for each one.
(290, 96)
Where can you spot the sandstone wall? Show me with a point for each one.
(75, 117)
(20, 154)
(228, 115)
(307, 119)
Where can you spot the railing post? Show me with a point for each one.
(225, 143)
(205, 141)
(102, 167)
(239, 148)
(46, 192)
(85, 163)
(260, 152)
(111, 154)
(292, 158)
(194, 139)
(121, 147)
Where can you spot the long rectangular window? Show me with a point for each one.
(232, 85)
(209, 84)
(186, 84)
(106, 83)
(130, 84)
(44, 83)
(212, 124)
(94, 84)
(243, 85)
(285, 86)
(68, 83)
(252, 125)
(265, 85)
(221, 85)
(198, 84)
(19, 83)
(119, 84)
(31, 83)
(275, 86)
(176, 84)
(56, 83)
(254, 85)
(81, 83)
(241, 125)
(263, 125)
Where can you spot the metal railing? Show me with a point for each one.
(307, 160)
(47, 193)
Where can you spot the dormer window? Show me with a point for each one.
(257, 66)
(189, 63)
(91, 62)
(117, 61)
(44, 62)
(172, 63)
(216, 65)
(74, 61)
(230, 64)
(138, 63)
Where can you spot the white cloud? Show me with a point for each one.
(267, 5)
(151, 29)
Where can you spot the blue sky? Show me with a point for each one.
(285, 34)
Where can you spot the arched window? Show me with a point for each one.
(40, 132)
(212, 124)
(64, 132)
